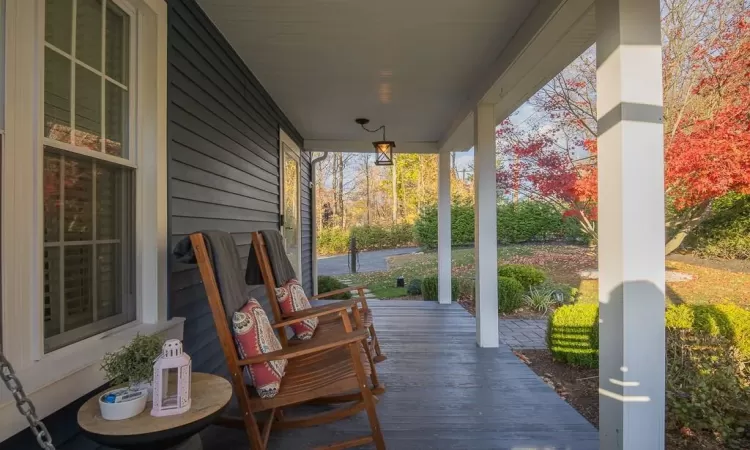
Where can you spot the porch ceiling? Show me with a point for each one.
(412, 65)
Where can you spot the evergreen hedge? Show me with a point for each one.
(726, 234)
(335, 241)
(527, 221)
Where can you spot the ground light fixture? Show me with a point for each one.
(383, 149)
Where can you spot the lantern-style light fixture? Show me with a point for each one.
(172, 370)
(383, 149)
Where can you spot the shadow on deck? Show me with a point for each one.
(445, 393)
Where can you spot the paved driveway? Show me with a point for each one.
(368, 261)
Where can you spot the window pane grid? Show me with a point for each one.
(87, 272)
(83, 64)
(98, 27)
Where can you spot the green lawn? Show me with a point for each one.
(383, 284)
(562, 264)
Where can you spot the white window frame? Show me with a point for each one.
(57, 378)
(131, 161)
(284, 139)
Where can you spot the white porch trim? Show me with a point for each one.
(631, 225)
(367, 147)
(444, 228)
(485, 226)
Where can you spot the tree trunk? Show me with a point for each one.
(395, 191)
(367, 189)
(704, 212)
(516, 178)
(421, 184)
(341, 190)
(675, 242)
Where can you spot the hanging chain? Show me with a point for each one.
(24, 405)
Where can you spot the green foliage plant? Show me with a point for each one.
(708, 363)
(335, 241)
(430, 288)
(328, 284)
(509, 294)
(134, 363)
(526, 221)
(415, 287)
(528, 276)
(540, 299)
(726, 234)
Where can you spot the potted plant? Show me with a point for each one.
(134, 363)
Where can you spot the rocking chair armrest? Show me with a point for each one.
(336, 292)
(305, 314)
(327, 342)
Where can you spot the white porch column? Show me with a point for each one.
(485, 226)
(631, 225)
(444, 228)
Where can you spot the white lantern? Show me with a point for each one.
(172, 361)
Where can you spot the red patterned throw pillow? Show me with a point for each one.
(254, 336)
(292, 298)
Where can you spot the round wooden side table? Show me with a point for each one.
(210, 395)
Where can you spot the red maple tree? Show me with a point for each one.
(707, 131)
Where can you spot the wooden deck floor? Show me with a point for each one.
(445, 393)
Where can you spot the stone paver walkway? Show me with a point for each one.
(348, 282)
(523, 334)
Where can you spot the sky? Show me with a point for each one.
(465, 160)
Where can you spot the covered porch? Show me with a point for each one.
(441, 77)
(237, 87)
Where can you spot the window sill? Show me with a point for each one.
(65, 375)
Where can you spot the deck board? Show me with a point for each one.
(445, 393)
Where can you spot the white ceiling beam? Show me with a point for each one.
(367, 147)
(555, 33)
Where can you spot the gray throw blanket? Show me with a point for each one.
(227, 265)
(280, 265)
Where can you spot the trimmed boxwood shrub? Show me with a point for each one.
(415, 287)
(509, 294)
(578, 324)
(430, 288)
(726, 320)
(528, 276)
(573, 335)
(328, 284)
(707, 346)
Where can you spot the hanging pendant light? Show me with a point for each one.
(384, 153)
(383, 149)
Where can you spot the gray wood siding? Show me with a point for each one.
(224, 163)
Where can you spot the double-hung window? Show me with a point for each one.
(88, 170)
(83, 178)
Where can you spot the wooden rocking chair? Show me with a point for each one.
(328, 324)
(326, 367)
